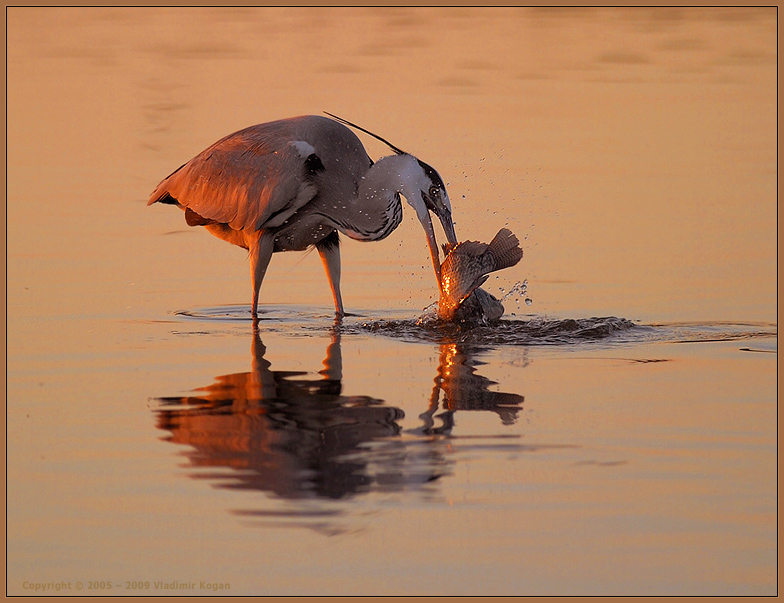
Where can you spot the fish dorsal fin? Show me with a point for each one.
(505, 248)
(471, 248)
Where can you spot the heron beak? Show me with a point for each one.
(427, 224)
(445, 216)
(449, 227)
(424, 204)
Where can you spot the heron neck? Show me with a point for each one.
(385, 178)
(379, 210)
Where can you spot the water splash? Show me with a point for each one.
(520, 292)
(542, 331)
(519, 288)
(429, 316)
(538, 331)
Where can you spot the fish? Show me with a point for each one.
(465, 268)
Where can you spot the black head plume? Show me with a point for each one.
(376, 136)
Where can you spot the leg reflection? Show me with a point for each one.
(281, 431)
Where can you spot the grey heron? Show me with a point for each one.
(294, 183)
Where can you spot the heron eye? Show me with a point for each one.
(434, 192)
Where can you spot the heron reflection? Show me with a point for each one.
(298, 437)
(280, 430)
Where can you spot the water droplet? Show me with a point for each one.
(528, 301)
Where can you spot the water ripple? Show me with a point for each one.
(533, 331)
(537, 331)
(540, 331)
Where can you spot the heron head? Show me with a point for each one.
(423, 189)
(426, 193)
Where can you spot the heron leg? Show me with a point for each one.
(329, 250)
(260, 251)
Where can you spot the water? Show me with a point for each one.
(617, 435)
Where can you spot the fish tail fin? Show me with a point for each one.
(505, 248)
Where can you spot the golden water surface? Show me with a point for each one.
(632, 151)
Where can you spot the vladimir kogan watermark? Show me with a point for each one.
(53, 587)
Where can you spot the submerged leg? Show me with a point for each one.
(260, 251)
(329, 250)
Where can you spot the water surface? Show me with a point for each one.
(615, 436)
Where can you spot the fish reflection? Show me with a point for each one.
(280, 431)
(464, 389)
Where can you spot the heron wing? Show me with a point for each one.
(251, 179)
